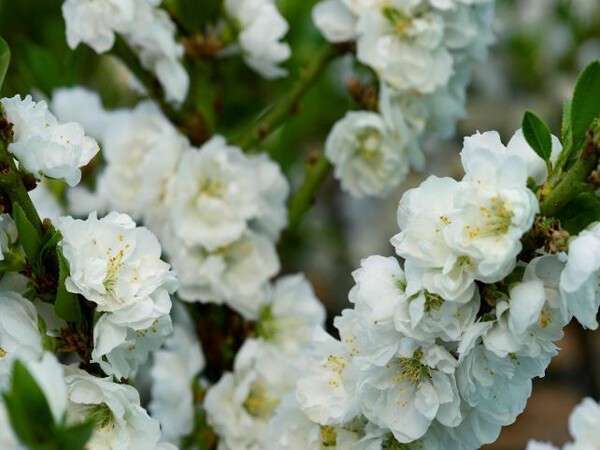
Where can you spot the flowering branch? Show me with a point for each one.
(278, 114)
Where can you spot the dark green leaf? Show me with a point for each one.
(75, 437)
(4, 60)
(537, 135)
(28, 235)
(580, 212)
(51, 239)
(28, 410)
(585, 106)
(67, 305)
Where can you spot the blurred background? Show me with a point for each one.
(541, 46)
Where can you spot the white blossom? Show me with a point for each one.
(335, 21)
(579, 280)
(326, 393)
(235, 274)
(584, 426)
(404, 47)
(240, 405)
(261, 28)
(418, 385)
(121, 423)
(44, 146)
(20, 337)
(117, 265)
(81, 105)
(95, 22)
(368, 157)
(174, 369)
(291, 429)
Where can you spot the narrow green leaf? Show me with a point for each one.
(28, 235)
(4, 60)
(585, 106)
(67, 305)
(580, 212)
(28, 410)
(51, 239)
(537, 135)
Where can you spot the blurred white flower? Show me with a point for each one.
(44, 146)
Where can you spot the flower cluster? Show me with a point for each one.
(241, 404)
(145, 28)
(421, 51)
(442, 352)
(216, 211)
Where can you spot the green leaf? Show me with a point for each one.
(28, 410)
(585, 106)
(75, 437)
(4, 60)
(537, 135)
(580, 212)
(67, 305)
(51, 239)
(28, 235)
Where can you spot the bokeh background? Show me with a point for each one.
(541, 46)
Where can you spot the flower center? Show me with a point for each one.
(497, 219)
(101, 415)
(399, 20)
(115, 262)
(211, 188)
(433, 301)
(370, 144)
(412, 369)
(328, 436)
(258, 403)
(3, 352)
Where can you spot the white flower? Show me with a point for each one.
(117, 266)
(426, 316)
(235, 274)
(121, 346)
(417, 385)
(240, 405)
(368, 331)
(146, 28)
(95, 22)
(579, 280)
(368, 158)
(421, 240)
(214, 195)
(142, 150)
(20, 337)
(291, 429)
(584, 425)
(336, 22)
(326, 393)
(121, 423)
(43, 145)
(273, 191)
(404, 47)
(81, 105)
(174, 369)
(152, 35)
(494, 208)
(261, 28)
(288, 320)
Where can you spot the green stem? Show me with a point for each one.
(316, 171)
(279, 113)
(14, 189)
(570, 185)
